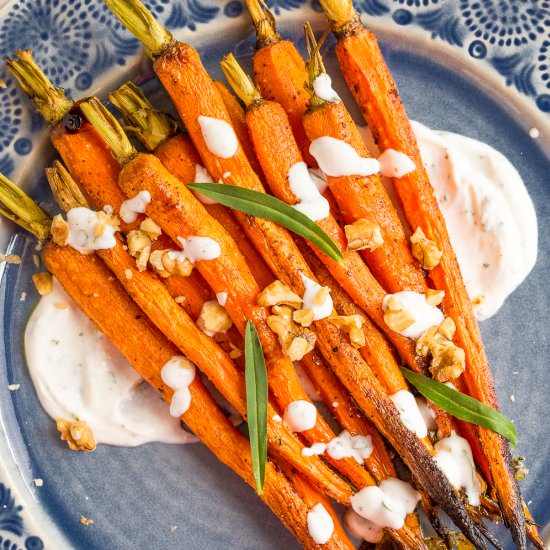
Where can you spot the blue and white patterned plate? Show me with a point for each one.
(478, 67)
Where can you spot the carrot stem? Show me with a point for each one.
(50, 101)
(240, 82)
(264, 22)
(150, 126)
(18, 207)
(65, 191)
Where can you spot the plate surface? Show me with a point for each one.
(445, 57)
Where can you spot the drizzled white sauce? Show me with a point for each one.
(130, 208)
(395, 164)
(319, 179)
(219, 136)
(386, 505)
(312, 203)
(425, 315)
(82, 231)
(322, 86)
(320, 525)
(202, 175)
(427, 413)
(490, 217)
(199, 248)
(222, 298)
(320, 311)
(409, 413)
(454, 456)
(315, 449)
(346, 445)
(300, 416)
(362, 528)
(178, 374)
(338, 158)
(78, 374)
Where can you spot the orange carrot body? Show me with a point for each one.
(280, 73)
(370, 80)
(89, 283)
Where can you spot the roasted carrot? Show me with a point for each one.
(149, 293)
(106, 303)
(370, 81)
(280, 73)
(236, 114)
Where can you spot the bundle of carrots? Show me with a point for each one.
(299, 277)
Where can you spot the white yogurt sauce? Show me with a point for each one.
(312, 203)
(315, 449)
(409, 413)
(322, 86)
(490, 217)
(300, 416)
(78, 374)
(219, 136)
(425, 315)
(395, 164)
(346, 445)
(178, 374)
(320, 311)
(320, 524)
(338, 158)
(454, 456)
(130, 208)
(362, 528)
(82, 231)
(199, 248)
(386, 505)
(319, 179)
(427, 413)
(202, 175)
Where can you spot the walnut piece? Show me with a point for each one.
(150, 228)
(170, 262)
(10, 258)
(363, 234)
(396, 316)
(277, 294)
(434, 297)
(43, 282)
(78, 435)
(139, 246)
(295, 340)
(448, 360)
(353, 325)
(213, 318)
(425, 250)
(60, 230)
(103, 220)
(303, 317)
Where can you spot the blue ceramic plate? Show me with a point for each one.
(477, 67)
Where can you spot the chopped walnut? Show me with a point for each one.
(425, 250)
(353, 325)
(363, 234)
(170, 262)
(139, 246)
(322, 295)
(478, 300)
(277, 294)
(235, 352)
(434, 297)
(86, 521)
(149, 227)
(396, 316)
(43, 283)
(448, 360)
(60, 230)
(105, 219)
(303, 317)
(128, 273)
(283, 311)
(213, 318)
(78, 435)
(296, 341)
(10, 258)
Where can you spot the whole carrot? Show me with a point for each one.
(374, 89)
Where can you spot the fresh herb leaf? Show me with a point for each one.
(256, 402)
(267, 207)
(462, 406)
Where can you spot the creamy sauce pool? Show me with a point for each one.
(490, 217)
(78, 374)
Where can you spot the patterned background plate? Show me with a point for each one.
(479, 67)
